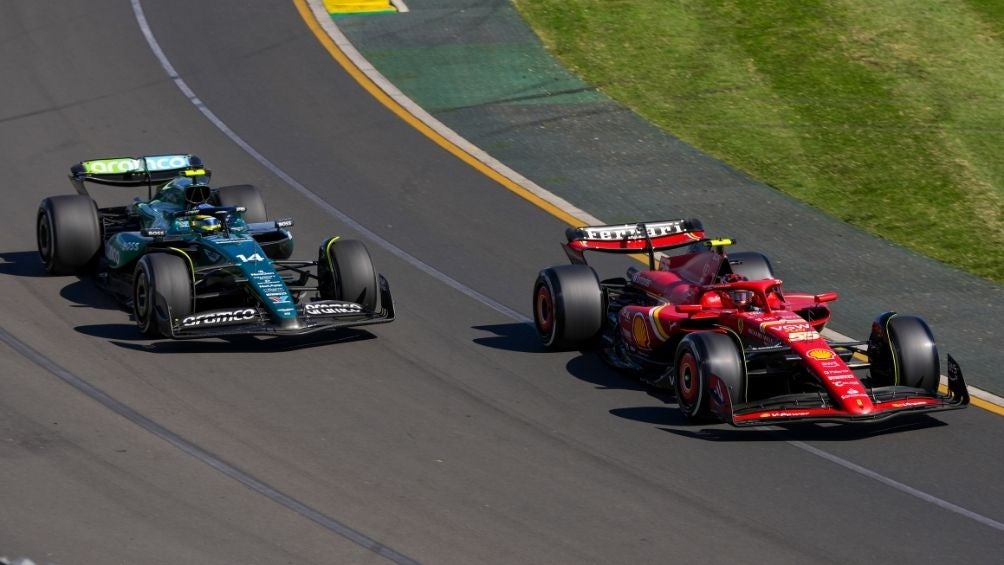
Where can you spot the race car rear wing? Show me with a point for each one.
(148, 170)
(647, 237)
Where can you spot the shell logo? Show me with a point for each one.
(820, 354)
(639, 331)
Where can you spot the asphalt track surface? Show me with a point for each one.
(445, 437)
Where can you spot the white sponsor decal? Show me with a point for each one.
(219, 317)
(841, 383)
(325, 308)
(851, 392)
(803, 336)
(153, 164)
(629, 231)
(253, 257)
(166, 162)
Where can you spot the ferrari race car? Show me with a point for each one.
(194, 261)
(718, 329)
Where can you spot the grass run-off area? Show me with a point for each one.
(888, 114)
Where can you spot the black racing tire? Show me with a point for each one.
(752, 265)
(162, 292)
(568, 307)
(698, 356)
(345, 272)
(245, 195)
(68, 233)
(902, 351)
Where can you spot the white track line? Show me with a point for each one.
(343, 43)
(322, 16)
(357, 59)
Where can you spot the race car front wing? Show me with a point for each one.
(888, 402)
(316, 316)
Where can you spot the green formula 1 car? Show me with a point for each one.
(194, 261)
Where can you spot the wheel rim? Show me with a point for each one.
(141, 301)
(544, 310)
(688, 382)
(44, 237)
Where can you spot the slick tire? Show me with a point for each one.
(162, 292)
(753, 265)
(345, 272)
(698, 356)
(245, 195)
(68, 232)
(568, 307)
(902, 351)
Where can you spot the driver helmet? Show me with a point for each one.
(741, 298)
(205, 224)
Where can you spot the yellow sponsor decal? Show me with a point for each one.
(821, 354)
(639, 330)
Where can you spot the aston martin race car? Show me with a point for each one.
(718, 329)
(194, 261)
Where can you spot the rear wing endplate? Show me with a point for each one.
(645, 237)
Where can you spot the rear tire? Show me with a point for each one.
(698, 356)
(751, 264)
(902, 351)
(567, 306)
(162, 292)
(68, 233)
(245, 195)
(345, 272)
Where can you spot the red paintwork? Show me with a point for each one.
(695, 291)
(770, 319)
(637, 243)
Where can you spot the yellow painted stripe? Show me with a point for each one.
(438, 139)
(979, 402)
(414, 122)
(353, 6)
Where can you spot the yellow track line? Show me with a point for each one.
(401, 112)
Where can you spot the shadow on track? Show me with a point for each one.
(590, 368)
(517, 337)
(84, 292)
(809, 432)
(127, 336)
(22, 264)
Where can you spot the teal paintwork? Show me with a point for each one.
(244, 252)
(235, 246)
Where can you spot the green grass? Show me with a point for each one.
(888, 114)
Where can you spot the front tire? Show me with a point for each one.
(68, 233)
(567, 306)
(345, 272)
(902, 351)
(162, 292)
(699, 356)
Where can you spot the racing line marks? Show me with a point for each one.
(200, 454)
(342, 50)
(384, 91)
(330, 523)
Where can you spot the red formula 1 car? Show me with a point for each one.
(719, 330)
